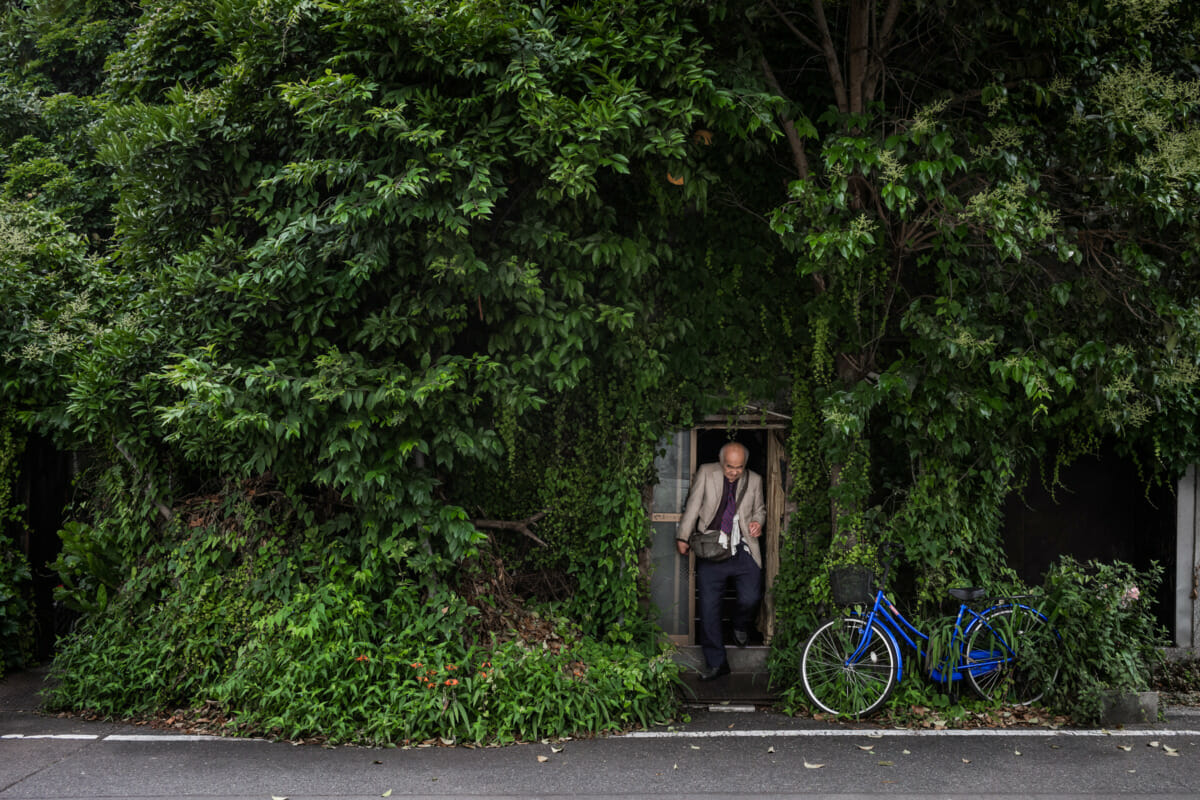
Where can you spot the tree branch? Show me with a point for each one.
(789, 127)
(883, 43)
(148, 490)
(856, 58)
(831, 59)
(520, 526)
(792, 27)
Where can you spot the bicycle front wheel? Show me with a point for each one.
(838, 685)
(992, 661)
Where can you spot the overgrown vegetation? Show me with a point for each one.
(1102, 636)
(16, 610)
(237, 612)
(374, 293)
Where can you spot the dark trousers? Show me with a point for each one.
(711, 577)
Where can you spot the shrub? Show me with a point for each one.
(16, 613)
(291, 635)
(1103, 637)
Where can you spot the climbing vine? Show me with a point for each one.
(16, 606)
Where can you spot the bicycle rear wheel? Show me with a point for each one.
(848, 689)
(992, 661)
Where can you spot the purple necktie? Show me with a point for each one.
(729, 507)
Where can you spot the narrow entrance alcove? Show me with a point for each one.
(672, 577)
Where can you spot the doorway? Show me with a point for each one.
(672, 578)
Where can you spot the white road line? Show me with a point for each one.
(878, 734)
(75, 736)
(128, 737)
(167, 737)
(1146, 733)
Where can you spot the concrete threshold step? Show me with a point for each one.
(748, 681)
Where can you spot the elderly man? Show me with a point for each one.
(726, 497)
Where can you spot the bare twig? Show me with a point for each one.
(149, 489)
(520, 526)
(792, 27)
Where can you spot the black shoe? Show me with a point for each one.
(712, 673)
(740, 638)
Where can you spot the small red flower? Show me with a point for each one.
(452, 682)
(416, 665)
(363, 658)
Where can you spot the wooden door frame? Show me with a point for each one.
(775, 494)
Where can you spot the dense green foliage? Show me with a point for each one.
(1003, 256)
(16, 617)
(16, 620)
(1101, 638)
(369, 278)
(276, 631)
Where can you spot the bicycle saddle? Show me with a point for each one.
(967, 594)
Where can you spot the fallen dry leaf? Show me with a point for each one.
(812, 766)
(388, 793)
(1125, 747)
(886, 764)
(966, 761)
(1016, 752)
(543, 759)
(1151, 744)
(770, 749)
(555, 749)
(867, 747)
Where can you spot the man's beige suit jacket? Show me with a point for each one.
(705, 497)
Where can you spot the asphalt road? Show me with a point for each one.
(718, 754)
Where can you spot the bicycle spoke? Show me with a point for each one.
(835, 684)
(992, 658)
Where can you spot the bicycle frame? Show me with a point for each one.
(893, 623)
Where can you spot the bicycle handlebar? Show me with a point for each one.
(890, 550)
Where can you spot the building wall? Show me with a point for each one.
(1104, 511)
(1187, 562)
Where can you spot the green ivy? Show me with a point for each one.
(16, 603)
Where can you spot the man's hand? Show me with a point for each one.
(755, 529)
(682, 547)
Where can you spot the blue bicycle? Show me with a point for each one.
(851, 664)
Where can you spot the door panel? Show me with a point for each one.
(670, 580)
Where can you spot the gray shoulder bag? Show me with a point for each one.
(707, 544)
